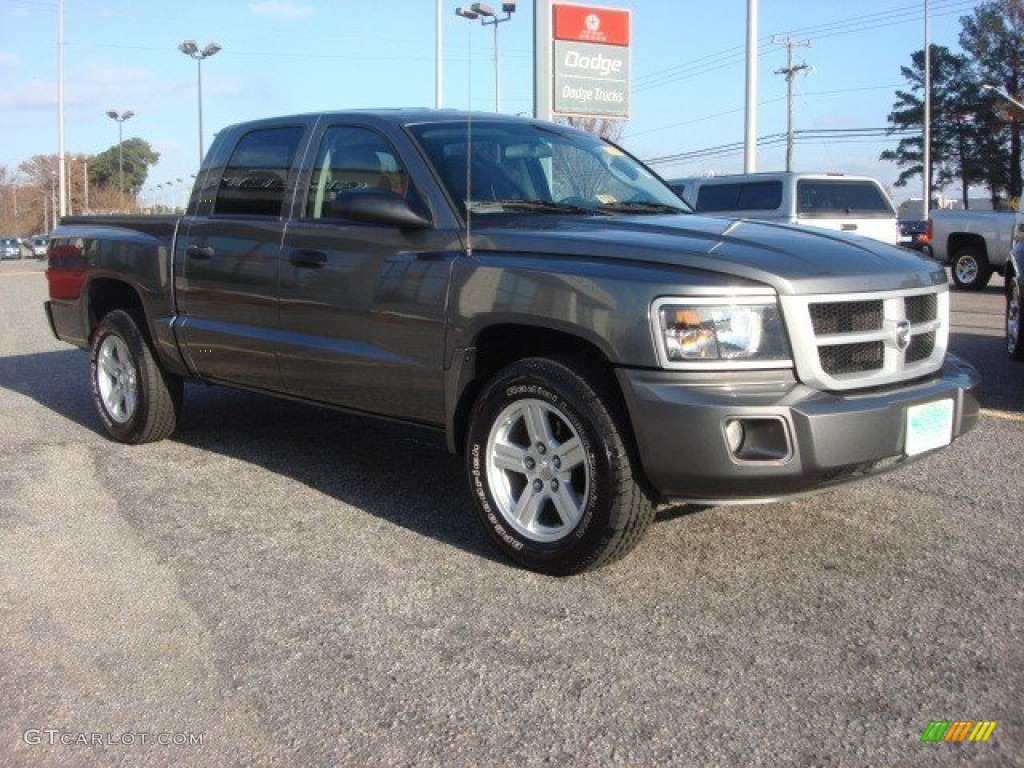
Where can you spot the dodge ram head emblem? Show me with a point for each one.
(901, 335)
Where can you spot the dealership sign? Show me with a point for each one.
(591, 61)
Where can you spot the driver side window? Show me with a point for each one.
(348, 160)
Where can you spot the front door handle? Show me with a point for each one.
(308, 259)
(200, 252)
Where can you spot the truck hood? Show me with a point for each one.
(792, 260)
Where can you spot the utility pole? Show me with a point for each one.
(790, 71)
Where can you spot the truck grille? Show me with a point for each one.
(856, 341)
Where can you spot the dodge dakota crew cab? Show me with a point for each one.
(591, 347)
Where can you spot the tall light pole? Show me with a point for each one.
(1005, 95)
(120, 118)
(438, 61)
(487, 16)
(750, 116)
(53, 198)
(61, 143)
(190, 49)
(926, 118)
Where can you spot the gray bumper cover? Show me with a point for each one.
(679, 423)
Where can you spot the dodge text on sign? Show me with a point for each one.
(591, 79)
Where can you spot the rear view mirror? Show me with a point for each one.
(533, 150)
(377, 206)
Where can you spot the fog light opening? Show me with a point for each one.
(758, 439)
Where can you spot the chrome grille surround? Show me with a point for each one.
(861, 340)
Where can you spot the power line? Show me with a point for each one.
(837, 135)
(735, 55)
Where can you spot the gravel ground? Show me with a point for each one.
(298, 587)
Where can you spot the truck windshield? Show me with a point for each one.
(493, 167)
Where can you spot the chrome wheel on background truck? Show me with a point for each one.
(971, 270)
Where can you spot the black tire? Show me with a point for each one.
(136, 400)
(970, 269)
(581, 505)
(1014, 331)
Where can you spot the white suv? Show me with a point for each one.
(830, 201)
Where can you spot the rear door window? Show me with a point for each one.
(837, 198)
(256, 175)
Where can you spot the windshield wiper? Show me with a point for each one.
(637, 206)
(531, 205)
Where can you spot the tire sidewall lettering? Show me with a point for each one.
(521, 389)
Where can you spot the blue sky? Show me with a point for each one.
(284, 56)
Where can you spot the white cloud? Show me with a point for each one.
(31, 95)
(9, 59)
(281, 9)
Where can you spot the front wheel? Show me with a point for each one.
(135, 399)
(549, 470)
(971, 270)
(1014, 337)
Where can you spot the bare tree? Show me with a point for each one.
(604, 127)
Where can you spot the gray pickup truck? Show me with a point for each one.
(591, 347)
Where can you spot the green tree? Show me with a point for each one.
(958, 134)
(138, 156)
(994, 36)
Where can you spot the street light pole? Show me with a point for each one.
(487, 16)
(120, 118)
(1005, 95)
(190, 49)
(438, 61)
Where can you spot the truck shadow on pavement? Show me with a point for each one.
(401, 474)
(398, 473)
(59, 381)
(1002, 379)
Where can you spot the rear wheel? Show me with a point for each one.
(971, 270)
(135, 399)
(1014, 336)
(551, 477)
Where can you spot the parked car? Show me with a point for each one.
(835, 201)
(914, 234)
(1014, 290)
(973, 244)
(10, 248)
(38, 246)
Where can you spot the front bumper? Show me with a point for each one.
(815, 439)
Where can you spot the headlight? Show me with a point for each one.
(702, 331)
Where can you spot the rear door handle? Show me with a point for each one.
(200, 252)
(308, 259)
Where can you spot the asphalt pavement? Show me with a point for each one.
(283, 586)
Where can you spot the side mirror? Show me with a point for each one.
(377, 206)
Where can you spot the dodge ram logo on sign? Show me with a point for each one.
(591, 61)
